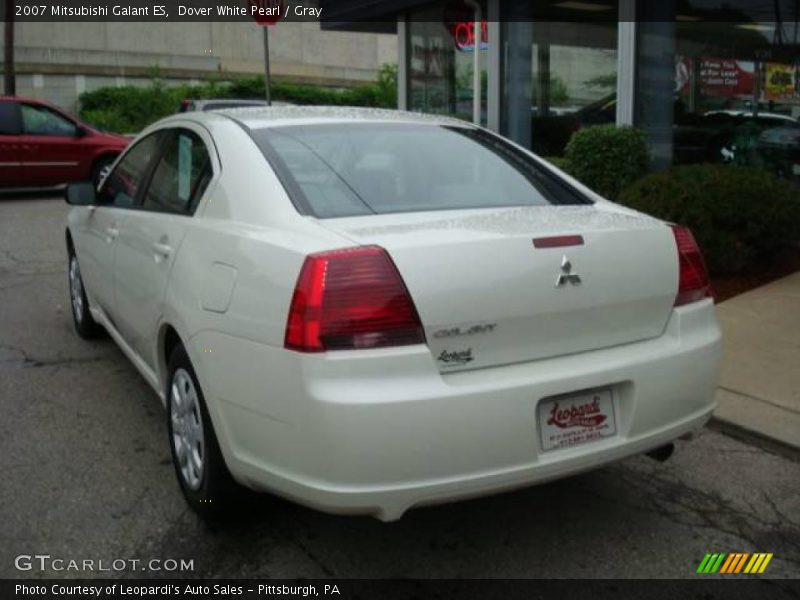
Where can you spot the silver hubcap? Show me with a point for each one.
(187, 429)
(76, 289)
(101, 176)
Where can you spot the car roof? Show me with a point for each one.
(49, 105)
(25, 99)
(278, 116)
(749, 113)
(201, 101)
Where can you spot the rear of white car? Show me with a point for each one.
(434, 354)
(369, 311)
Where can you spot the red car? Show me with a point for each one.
(41, 145)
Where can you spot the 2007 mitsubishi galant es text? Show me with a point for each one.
(367, 311)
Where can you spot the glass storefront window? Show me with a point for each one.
(721, 92)
(441, 58)
(558, 76)
(705, 90)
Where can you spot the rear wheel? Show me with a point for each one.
(205, 481)
(85, 325)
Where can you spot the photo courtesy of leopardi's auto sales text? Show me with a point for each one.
(474, 299)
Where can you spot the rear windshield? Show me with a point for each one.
(342, 170)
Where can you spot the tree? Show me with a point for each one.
(603, 81)
(559, 94)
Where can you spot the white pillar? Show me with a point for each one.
(626, 62)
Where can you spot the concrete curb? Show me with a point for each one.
(761, 417)
(748, 436)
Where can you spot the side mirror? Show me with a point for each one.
(81, 131)
(81, 194)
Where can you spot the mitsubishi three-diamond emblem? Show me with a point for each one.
(567, 276)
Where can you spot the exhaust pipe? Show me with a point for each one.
(662, 453)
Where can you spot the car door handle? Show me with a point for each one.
(111, 234)
(161, 249)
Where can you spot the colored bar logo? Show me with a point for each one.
(734, 563)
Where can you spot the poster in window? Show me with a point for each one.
(780, 81)
(715, 76)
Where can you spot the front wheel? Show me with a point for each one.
(205, 481)
(85, 325)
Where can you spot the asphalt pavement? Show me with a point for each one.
(85, 474)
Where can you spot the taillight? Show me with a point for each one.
(353, 298)
(693, 281)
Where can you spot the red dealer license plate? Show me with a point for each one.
(574, 420)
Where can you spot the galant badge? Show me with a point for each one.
(567, 276)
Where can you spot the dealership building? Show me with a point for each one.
(703, 78)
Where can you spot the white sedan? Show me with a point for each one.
(367, 311)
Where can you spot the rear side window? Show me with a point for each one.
(9, 118)
(39, 120)
(181, 176)
(122, 185)
(340, 170)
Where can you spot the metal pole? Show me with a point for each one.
(476, 65)
(9, 76)
(266, 65)
(493, 66)
(403, 66)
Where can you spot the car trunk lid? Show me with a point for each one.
(487, 296)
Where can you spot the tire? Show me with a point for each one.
(205, 481)
(101, 168)
(85, 325)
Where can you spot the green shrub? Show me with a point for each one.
(740, 216)
(387, 86)
(608, 158)
(108, 120)
(250, 87)
(558, 161)
(130, 109)
(381, 93)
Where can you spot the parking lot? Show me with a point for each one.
(86, 474)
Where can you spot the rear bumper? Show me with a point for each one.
(381, 431)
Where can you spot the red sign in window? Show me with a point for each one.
(464, 35)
